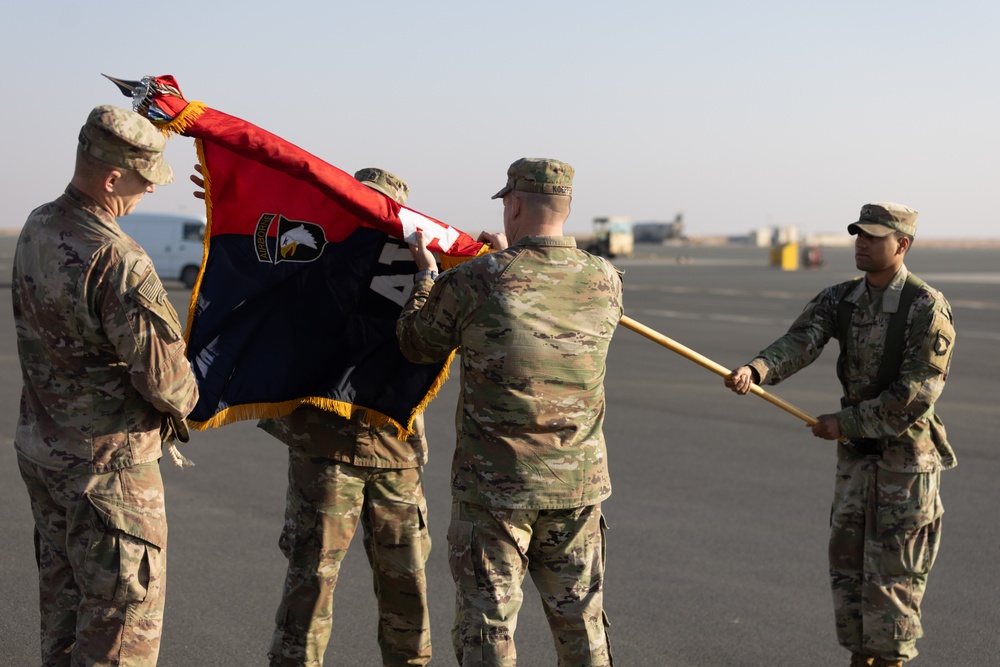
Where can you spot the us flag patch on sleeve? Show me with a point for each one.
(151, 289)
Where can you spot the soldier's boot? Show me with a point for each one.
(882, 662)
(861, 660)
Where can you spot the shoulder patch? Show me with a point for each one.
(148, 292)
(941, 344)
(151, 289)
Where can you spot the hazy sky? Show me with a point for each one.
(738, 114)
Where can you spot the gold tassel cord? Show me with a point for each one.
(179, 459)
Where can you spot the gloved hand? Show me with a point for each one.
(172, 428)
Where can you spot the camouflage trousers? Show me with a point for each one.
(326, 500)
(490, 548)
(100, 544)
(884, 538)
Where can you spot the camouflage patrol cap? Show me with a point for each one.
(125, 139)
(884, 218)
(390, 185)
(540, 175)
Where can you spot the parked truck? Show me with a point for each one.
(175, 243)
(612, 237)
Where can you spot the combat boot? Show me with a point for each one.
(861, 660)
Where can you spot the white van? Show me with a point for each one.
(173, 242)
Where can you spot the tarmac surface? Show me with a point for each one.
(717, 546)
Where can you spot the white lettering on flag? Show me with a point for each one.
(394, 253)
(394, 288)
(433, 230)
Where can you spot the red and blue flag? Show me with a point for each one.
(304, 274)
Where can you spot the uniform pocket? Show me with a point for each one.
(460, 560)
(909, 512)
(906, 501)
(299, 534)
(907, 628)
(125, 559)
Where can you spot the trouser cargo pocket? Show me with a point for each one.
(125, 559)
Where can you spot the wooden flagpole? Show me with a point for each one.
(705, 362)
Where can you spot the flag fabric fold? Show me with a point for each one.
(304, 274)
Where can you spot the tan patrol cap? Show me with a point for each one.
(390, 185)
(884, 218)
(125, 139)
(539, 175)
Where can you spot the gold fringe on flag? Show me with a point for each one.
(199, 146)
(346, 410)
(184, 120)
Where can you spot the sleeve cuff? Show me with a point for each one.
(848, 421)
(426, 273)
(763, 369)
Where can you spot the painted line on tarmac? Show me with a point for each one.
(671, 314)
(741, 319)
(713, 317)
(714, 291)
(974, 305)
(684, 261)
(984, 335)
(768, 321)
(777, 294)
(984, 278)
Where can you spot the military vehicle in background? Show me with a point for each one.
(659, 232)
(175, 243)
(612, 237)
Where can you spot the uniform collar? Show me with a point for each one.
(563, 241)
(891, 295)
(90, 205)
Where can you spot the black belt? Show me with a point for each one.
(865, 446)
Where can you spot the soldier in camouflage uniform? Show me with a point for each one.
(886, 517)
(530, 471)
(341, 471)
(102, 359)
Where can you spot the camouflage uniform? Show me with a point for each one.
(530, 468)
(102, 360)
(886, 516)
(342, 471)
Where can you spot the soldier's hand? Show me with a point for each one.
(199, 181)
(740, 380)
(421, 255)
(496, 240)
(172, 428)
(826, 427)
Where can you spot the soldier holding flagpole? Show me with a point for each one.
(896, 337)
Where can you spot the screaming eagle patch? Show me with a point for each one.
(293, 240)
(941, 344)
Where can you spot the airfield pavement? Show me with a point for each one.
(718, 538)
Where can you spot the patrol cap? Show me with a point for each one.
(125, 139)
(539, 175)
(390, 185)
(884, 218)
